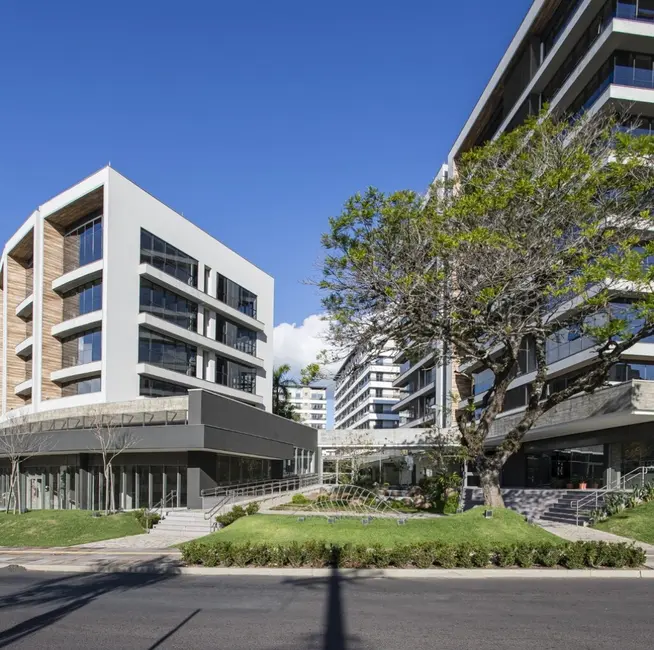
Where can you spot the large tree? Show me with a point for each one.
(541, 234)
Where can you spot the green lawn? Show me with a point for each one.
(506, 526)
(636, 523)
(45, 528)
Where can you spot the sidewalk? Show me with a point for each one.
(586, 534)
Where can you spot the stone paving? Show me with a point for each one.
(145, 541)
(585, 533)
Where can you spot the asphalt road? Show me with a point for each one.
(139, 612)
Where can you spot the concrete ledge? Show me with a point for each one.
(405, 574)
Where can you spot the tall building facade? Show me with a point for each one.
(573, 56)
(310, 404)
(109, 295)
(365, 394)
(116, 311)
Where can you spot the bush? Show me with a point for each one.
(147, 519)
(300, 500)
(236, 513)
(423, 555)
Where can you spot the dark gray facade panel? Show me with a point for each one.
(228, 414)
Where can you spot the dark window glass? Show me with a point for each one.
(169, 259)
(236, 296)
(82, 300)
(235, 375)
(168, 305)
(93, 385)
(82, 348)
(157, 388)
(166, 352)
(236, 336)
(83, 243)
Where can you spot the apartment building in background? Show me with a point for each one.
(310, 404)
(574, 56)
(364, 395)
(113, 303)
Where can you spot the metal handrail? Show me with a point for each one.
(258, 489)
(219, 490)
(621, 485)
(160, 506)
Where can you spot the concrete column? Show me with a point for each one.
(211, 331)
(178, 487)
(150, 488)
(200, 323)
(137, 488)
(199, 364)
(613, 472)
(319, 464)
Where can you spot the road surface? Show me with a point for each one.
(139, 612)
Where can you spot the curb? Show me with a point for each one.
(404, 574)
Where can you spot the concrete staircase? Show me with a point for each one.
(547, 505)
(185, 524)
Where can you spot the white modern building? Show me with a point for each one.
(365, 395)
(310, 404)
(572, 55)
(116, 309)
(109, 295)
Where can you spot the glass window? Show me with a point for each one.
(83, 242)
(166, 352)
(236, 296)
(83, 387)
(82, 348)
(169, 259)
(168, 305)
(236, 336)
(157, 388)
(235, 375)
(82, 300)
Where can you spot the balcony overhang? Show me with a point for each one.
(403, 403)
(164, 327)
(81, 275)
(155, 372)
(403, 379)
(24, 389)
(621, 405)
(77, 324)
(84, 371)
(168, 281)
(24, 348)
(25, 307)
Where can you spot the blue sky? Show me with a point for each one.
(257, 119)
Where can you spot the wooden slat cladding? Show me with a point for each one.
(53, 267)
(68, 215)
(17, 331)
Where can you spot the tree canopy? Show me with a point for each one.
(544, 232)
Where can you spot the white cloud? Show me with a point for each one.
(299, 345)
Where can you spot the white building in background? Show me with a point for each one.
(365, 394)
(108, 295)
(310, 403)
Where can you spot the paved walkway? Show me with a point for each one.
(585, 534)
(143, 542)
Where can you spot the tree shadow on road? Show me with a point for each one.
(335, 635)
(75, 591)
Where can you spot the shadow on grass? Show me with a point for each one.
(73, 592)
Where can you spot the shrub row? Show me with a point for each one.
(147, 519)
(236, 513)
(424, 555)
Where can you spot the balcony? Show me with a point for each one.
(25, 307)
(78, 276)
(72, 373)
(24, 389)
(402, 404)
(78, 324)
(156, 372)
(177, 332)
(170, 282)
(24, 348)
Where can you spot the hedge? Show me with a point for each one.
(424, 555)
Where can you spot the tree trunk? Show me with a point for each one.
(489, 478)
(107, 471)
(11, 494)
